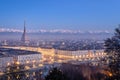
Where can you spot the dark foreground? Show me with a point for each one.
(65, 72)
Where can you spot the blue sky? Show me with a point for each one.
(60, 14)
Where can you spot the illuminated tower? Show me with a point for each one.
(24, 39)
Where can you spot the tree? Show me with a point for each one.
(112, 48)
(55, 74)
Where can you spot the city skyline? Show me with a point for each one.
(59, 39)
(62, 14)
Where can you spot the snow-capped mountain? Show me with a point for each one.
(56, 31)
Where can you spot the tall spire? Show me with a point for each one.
(24, 27)
(24, 39)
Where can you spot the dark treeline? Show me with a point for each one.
(78, 72)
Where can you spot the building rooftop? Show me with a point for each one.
(11, 52)
(2, 55)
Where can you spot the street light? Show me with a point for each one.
(17, 63)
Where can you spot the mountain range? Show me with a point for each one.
(56, 34)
